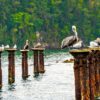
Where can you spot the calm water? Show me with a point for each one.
(56, 84)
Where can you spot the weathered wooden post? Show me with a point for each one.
(38, 60)
(41, 61)
(0, 72)
(91, 65)
(97, 72)
(11, 66)
(24, 64)
(81, 72)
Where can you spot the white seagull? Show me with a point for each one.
(7, 47)
(15, 46)
(26, 46)
(2, 48)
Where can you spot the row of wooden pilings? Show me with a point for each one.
(38, 55)
(87, 73)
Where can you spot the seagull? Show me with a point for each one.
(15, 46)
(26, 46)
(72, 41)
(2, 48)
(93, 44)
(97, 41)
(7, 47)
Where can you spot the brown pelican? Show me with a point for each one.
(38, 45)
(26, 46)
(71, 40)
(78, 45)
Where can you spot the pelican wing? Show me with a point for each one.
(68, 41)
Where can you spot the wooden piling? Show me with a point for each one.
(81, 72)
(77, 79)
(0, 72)
(24, 64)
(91, 65)
(97, 72)
(11, 66)
(41, 61)
(38, 60)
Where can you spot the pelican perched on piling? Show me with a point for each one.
(72, 41)
(78, 45)
(26, 46)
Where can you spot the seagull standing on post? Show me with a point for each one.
(26, 46)
(15, 46)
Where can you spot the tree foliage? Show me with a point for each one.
(20, 19)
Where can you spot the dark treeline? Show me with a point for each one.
(20, 19)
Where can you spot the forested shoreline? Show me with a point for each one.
(21, 19)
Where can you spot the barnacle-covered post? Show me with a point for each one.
(24, 64)
(11, 66)
(81, 72)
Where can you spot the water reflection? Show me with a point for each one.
(38, 77)
(11, 87)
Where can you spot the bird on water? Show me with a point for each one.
(72, 41)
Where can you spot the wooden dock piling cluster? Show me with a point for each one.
(38, 60)
(87, 73)
(38, 63)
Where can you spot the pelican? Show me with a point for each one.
(15, 46)
(71, 40)
(26, 46)
(38, 45)
(78, 45)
